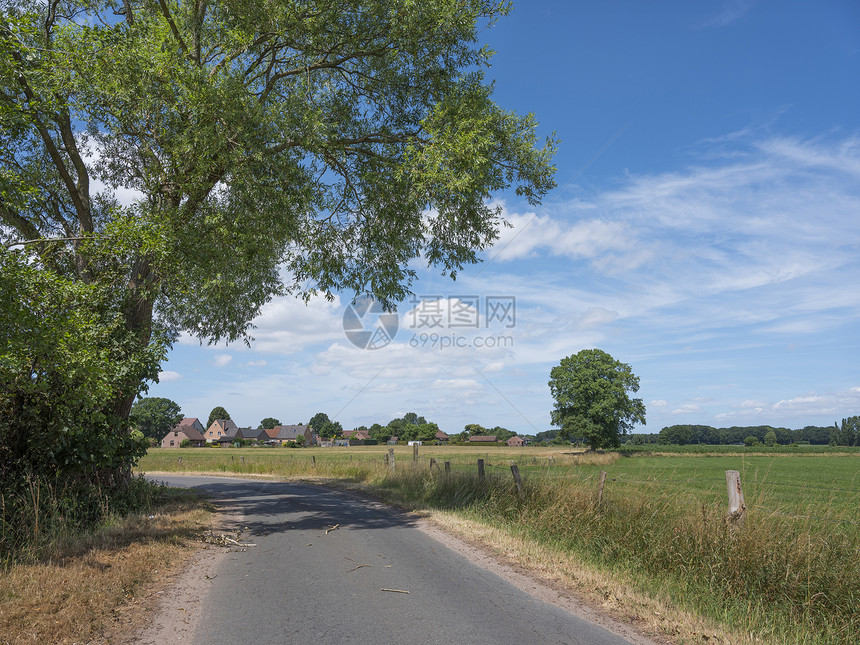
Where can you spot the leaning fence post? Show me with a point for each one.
(480, 469)
(391, 465)
(314, 459)
(515, 470)
(600, 487)
(737, 508)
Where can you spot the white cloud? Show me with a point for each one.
(167, 376)
(687, 408)
(222, 360)
(835, 404)
(658, 403)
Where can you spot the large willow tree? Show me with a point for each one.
(273, 146)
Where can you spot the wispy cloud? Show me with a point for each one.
(730, 11)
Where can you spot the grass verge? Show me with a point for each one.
(84, 587)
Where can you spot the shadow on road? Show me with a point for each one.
(285, 507)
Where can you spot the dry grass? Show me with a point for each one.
(610, 592)
(98, 586)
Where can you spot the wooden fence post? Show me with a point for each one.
(480, 469)
(447, 466)
(737, 508)
(432, 463)
(414, 453)
(515, 470)
(243, 459)
(314, 459)
(600, 487)
(391, 465)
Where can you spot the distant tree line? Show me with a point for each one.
(845, 434)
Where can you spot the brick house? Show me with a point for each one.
(441, 436)
(516, 441)
(220, 428)
(190, 429)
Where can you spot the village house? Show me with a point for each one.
(516, 441)
(220, 428)
(356, 437)
(190, 429)
(483, 438)
(288, 434)
(441, 436)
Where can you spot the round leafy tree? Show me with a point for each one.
(217, 413)
(155, 416)
(591, 398)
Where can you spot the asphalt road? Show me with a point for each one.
(300, 584)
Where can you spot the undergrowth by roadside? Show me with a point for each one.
(77, 581)
(42, 515)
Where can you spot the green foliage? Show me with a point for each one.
(751, 441)
(848, 434)
(65, 356)
(707, 435)
(155, 416)
(379, 432)
(475, 429)
(676, 435)
(277, 147)
(217, 413)
(770, 438)
(269, 422)
(185, 443)
(318, 422)
(591, 401)
(315, 137)
(39, 512)
(325, 427)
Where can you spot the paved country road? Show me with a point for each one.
(300, 584)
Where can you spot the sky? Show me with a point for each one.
(705, 231)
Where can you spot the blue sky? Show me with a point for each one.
(705, 230)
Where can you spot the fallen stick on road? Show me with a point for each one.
(358, 565)
(332, 528)
(394, 590)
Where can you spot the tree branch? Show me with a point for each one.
(166, 13)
